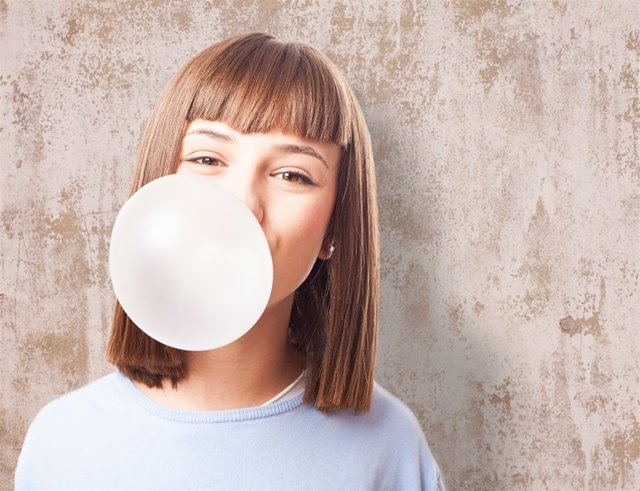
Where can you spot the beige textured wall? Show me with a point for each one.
(506, 135)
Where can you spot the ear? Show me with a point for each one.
(328, 243)
(327, 249)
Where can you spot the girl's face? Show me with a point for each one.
(288, 182)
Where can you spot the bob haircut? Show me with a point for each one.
(257, 84)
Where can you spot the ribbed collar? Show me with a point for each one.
(228, 416)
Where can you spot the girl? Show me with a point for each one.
(292, 404)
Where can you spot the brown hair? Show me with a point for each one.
(255, 83)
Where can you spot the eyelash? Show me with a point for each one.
(199, 161)
(297, 176)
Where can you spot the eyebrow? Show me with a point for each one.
(213, 134)
(303, 149)
(283, 147)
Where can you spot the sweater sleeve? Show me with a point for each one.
(24, 468)
(431, 478)
(411, 465)
(37, 461)
(415, 468)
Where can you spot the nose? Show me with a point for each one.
(247, 189)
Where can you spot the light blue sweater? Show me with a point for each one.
(108, 435)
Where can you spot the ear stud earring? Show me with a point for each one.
(331, 249)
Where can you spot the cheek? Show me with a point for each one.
(301, 236)
(296, 242)
(313, 224)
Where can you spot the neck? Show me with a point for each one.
(245, 373)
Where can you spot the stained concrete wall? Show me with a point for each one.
(506, 135)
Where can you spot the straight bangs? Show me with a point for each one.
(264, 86)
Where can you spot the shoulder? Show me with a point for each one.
(67, 416)
(79, 402)
(389, 434)
(386, 407)
(387, 416)
(388, 427)
(64, 424)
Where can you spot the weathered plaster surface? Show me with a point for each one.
(507, 137)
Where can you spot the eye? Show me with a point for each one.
(206, 160)
(294, 177)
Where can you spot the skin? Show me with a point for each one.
(290, 184)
